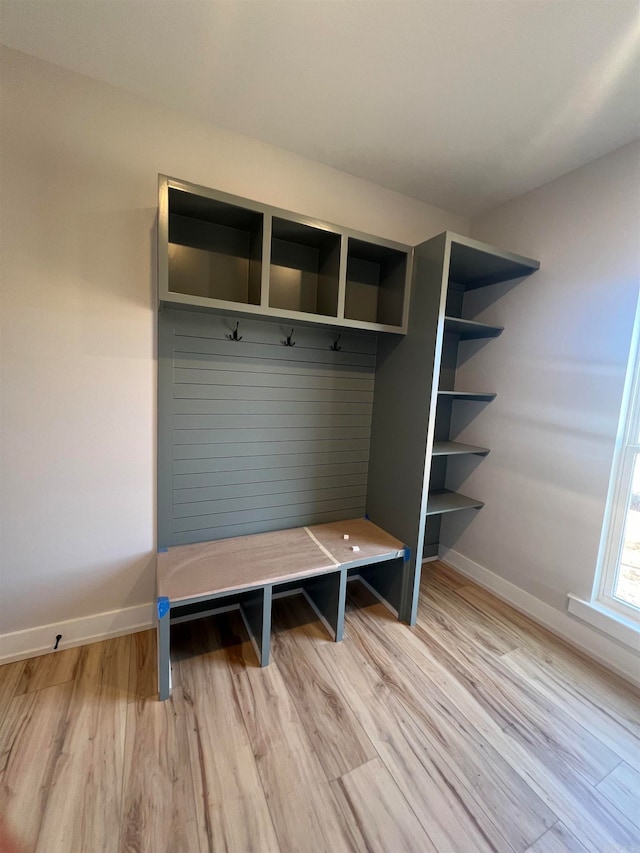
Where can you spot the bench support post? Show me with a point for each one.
(164, 649)
(255, 610)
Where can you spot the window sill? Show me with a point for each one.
(617, 626)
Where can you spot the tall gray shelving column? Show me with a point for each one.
(415, 393)
(403, 417)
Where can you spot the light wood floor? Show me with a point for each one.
(474, 731)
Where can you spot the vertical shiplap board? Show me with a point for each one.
(254, 435)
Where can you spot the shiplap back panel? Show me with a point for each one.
(256, 436)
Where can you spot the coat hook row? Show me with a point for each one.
(288, 342)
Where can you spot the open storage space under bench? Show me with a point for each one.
(247, 572)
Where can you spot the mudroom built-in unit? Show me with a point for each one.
(307, 374)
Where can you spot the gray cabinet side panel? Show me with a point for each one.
(404, 414)
(254, 435)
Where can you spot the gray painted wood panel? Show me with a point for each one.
(272, 407)
(271, 394)
(261, 526)
(274, 448)
(276, 482)
(260, 378)
(256, 436)
(274, 357)
(403, 415)
(262, 495)
(306, 473)
(215, 422)
(323, 461)
(265, 513)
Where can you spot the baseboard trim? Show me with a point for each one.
(588, 640)
(33, 642)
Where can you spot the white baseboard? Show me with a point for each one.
(75, 632)
(592, 642)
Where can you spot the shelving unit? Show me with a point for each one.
(471, 266)
(218, 252)
(410, 488)
(341, 423)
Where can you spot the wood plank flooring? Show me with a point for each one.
(476, 730)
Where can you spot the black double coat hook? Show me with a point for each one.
(235, 336)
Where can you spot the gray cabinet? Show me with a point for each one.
(228, 254)
(416, 392)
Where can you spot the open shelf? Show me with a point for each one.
(467, 395)
(305, 267)
(470, 330)
(473, 264)
(215, 249)
(376, 277)
(456, 448)
(443, 500)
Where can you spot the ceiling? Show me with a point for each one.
(460, 103)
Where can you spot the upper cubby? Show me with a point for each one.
(223, 253)
(376, 277)
(305, 268)
(215, 248)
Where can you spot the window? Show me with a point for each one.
(619, 576)
(615, 602)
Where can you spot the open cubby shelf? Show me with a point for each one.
(214, 249)
(470, 330)
(468, 395)
(442, 501)
(305, 268)
(375, 283)
(456, 448)
(473, 264)
(220, 252)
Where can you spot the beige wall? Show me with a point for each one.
(559, 371)
(79, 164)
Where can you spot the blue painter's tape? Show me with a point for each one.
(163, 606)
(407, 554)
(162, 550)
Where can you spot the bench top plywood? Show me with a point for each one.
(373, 542)
(229, 565)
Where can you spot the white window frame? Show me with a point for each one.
(610, 614)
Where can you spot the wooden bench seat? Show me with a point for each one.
(246, 572)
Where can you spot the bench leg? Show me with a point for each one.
(411, 591)
(164, 655)
(256, 612)
(327, 595)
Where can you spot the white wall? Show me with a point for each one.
(78, 194)
(559, 371)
